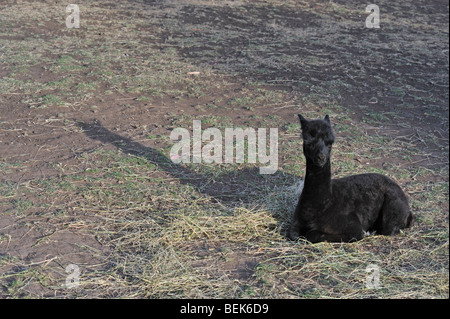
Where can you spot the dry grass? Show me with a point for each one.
(168, 241)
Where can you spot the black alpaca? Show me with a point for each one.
(344, 209)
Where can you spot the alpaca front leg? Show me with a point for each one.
(297, 226)
(297, 229)
(294, 231)
(316, 236)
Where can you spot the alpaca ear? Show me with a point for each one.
(327, 118)
(303, 121)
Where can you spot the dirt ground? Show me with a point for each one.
(85, 119)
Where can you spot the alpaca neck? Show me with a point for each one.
(318, 179)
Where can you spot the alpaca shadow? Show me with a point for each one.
(240, 186)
